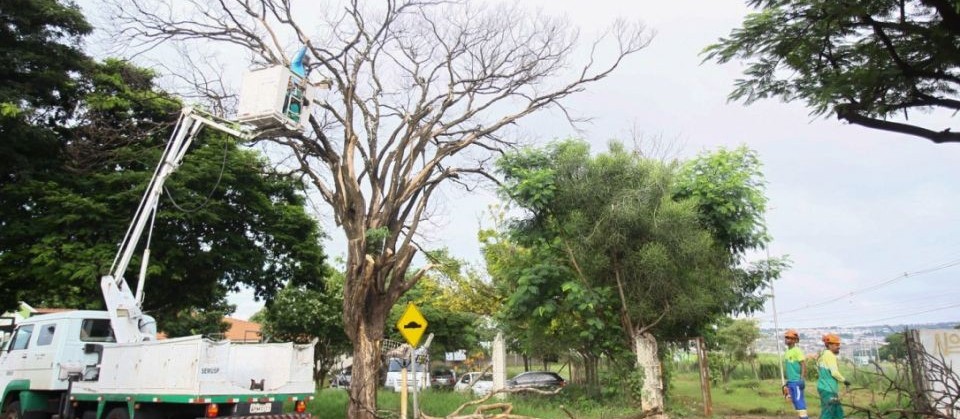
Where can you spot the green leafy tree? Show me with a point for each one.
(227, 220)
(618, 224)
(895, 348)
(612, 242)
(733, 344)
(656, 246)
(864, 61)
(40, 53)
(303, 314)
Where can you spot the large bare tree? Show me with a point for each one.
(420, 92)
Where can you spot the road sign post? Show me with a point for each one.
(411, 325)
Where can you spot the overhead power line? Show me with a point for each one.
(874, 286)
(902, 315)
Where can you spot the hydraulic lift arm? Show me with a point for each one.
(129, 322)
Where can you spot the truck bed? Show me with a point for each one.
(197, 366)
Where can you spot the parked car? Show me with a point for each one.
(394, 377)
(542, 380)
(443, 378)
(479, 383)
(341, 379)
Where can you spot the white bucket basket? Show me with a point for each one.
(274, 98)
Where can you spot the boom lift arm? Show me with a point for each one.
(129, 322)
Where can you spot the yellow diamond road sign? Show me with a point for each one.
(412, 325)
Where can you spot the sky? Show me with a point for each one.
(866, 217)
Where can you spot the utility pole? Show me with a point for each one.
(776, 321)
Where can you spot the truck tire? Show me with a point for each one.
(12, 411)
(118, 413)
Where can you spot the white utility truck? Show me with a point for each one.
(110, 364)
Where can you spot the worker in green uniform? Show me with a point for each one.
(828, 385)
(795, 367)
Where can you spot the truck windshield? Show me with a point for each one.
(96, 330)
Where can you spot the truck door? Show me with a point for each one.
(15, 356)
(39, 364)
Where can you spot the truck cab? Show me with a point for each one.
(43, 352)
(43, 345)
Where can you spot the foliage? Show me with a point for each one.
(728, 188)
(301, 313)
(40, 53)
(863, 61)
(40, 50)
(733, 345)
(227, 221)
(895, 348)
(457, 303)
(548, 309)
(199, 321)
(616, 225)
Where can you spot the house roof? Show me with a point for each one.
(242, 330)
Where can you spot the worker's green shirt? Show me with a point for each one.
(793, 364)
(830, 377)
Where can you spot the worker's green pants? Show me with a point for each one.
(830, 407)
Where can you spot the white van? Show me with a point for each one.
(394, 379)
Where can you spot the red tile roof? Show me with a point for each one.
(242, 330)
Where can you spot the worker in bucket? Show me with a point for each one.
(796, 369)
(299, 63)
(295, 90)
(828, 385)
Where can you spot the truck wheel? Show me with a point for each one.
(12, 411)
(118, 413)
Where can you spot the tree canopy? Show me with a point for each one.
(867, 62)
(618, 230)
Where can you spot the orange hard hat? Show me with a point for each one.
(790, 333)
(831, 338)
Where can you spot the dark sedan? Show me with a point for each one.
(542, 380)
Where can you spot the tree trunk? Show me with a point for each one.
(590, 364)
(652, 394)
(366, 368)
(365, 312)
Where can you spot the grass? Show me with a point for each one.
(747, 396)
(332, 404)
(744, 395)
